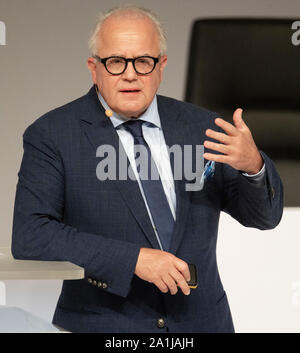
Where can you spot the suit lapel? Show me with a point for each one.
(100, 131)
(175, 133)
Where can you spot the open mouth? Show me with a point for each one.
(130, 90)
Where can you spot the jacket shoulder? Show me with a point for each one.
(193, 113)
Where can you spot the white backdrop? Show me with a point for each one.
(261, 274)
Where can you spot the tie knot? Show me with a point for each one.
(134, 126)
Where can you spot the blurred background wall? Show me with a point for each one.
(43, 65)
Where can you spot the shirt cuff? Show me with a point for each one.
(258, 176)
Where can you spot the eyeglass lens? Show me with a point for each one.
(142, 65)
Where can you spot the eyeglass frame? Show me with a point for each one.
(127, 60)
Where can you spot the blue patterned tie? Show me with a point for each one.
(152, 187)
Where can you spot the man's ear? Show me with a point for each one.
(163, 62)
(92, 67)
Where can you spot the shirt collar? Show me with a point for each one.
(150, 115)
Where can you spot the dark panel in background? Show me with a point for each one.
(252, 64)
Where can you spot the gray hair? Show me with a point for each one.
(128, 11)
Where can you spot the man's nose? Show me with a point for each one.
(130, 73)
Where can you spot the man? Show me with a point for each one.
(135, 238)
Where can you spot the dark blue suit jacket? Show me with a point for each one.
(64, 213)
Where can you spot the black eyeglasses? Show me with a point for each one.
(116, 65)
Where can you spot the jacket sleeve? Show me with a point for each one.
(38, 230)
(257, 205)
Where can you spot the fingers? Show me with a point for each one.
(178, 277)
(183, 268)
(161, 285)
(181, 283)
(227, 127)
(164, 270)
(231, 130)
(217, 147)
(217, 158)
(238, 119)
(236, 144)
(223, 147)
(182, 276)
(219, 136)
(172, 282)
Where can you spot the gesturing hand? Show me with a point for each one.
(164, 270)
(237, 145)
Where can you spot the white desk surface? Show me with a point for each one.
(27, 269)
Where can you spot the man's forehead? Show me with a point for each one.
(119, 53)
(126, 26)
(118, 35)
(123, 18)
